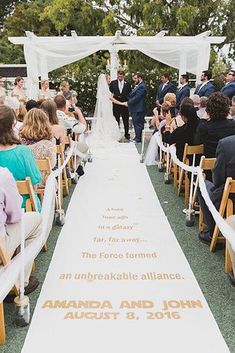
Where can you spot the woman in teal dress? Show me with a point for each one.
(14, 156)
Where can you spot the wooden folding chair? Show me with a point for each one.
(188, 151)
(63, 175)
(5, 259)
(25, 187)
(229, 188)
(206, 164)
(44, 166)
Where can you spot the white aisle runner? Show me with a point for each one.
(118, 281)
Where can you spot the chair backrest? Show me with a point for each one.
(191, 150)
(207, 163)
(44, 165)
(25, 187)
(225, 204)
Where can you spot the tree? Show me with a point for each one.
(7, 8)
(100, 17)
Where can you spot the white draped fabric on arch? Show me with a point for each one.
(44, 54)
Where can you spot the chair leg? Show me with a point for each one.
(214, 239)
(200, 222)
(228, 262)
(33, 267)
(65, 183)
(180, 180)
(45, 247)
(186, 191)
(2, 325)
(175, 175)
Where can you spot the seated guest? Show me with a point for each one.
(69, 122)
(14, 156)
(170, 98)
(196, 101)
(36, 133)
(206, 88)
(22, 112)
(187, 100)
(72, 125)
(224, 167)
(44, 93)
(183, 90)
(183, 134)
(10, 226)
(229, 89)
(232, 112)
(158, 122)
(217, 126)
(31, 104)
(58, 131)
(64, 89)
(18, 90)
(202, 107)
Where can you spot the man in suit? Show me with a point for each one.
(137, 105)
(183, 91)
(224, 167)
(206, 88)
(165, 87)
(121, 90)
(229, 89)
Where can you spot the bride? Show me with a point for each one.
(105, 130)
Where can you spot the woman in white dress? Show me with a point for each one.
(18, 90)
(105, 131)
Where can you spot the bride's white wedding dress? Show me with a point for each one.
(105, 132)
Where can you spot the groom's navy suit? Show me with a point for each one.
(137, 108)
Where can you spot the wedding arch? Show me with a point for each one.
(44, 54)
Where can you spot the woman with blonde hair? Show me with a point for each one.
(170, 99)
(64, 89)
(36, 133)
(44, 93)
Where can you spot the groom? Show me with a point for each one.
(137, 105)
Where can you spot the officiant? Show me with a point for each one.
(121, 89)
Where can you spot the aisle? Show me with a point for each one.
(118, 280)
